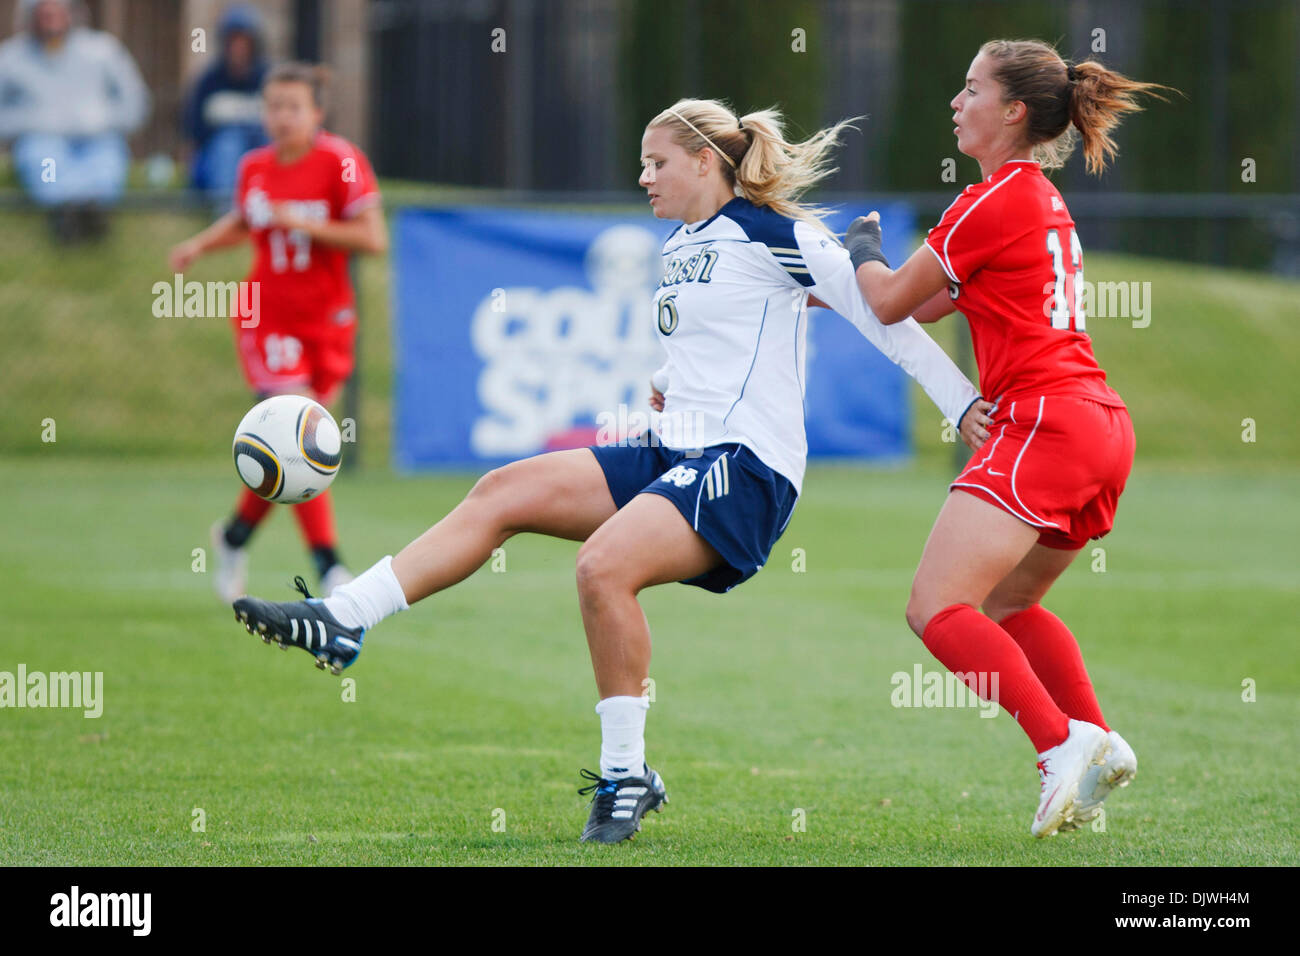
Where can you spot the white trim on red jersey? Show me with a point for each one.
(952, 274)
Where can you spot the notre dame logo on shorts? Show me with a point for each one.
(679, 475)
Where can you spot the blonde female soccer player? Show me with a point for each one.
(703, 500)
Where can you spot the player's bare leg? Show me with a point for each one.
(1027, 583)
(648, 542)
(1056, 658)
(562, 494)
(972, 548)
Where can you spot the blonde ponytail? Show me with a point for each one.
(760, 163)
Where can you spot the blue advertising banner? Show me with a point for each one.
(520, 331)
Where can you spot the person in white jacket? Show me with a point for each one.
(69, 97)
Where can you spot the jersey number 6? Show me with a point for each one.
(668, 314)
(1060, 303)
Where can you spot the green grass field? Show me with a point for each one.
(772, 699)
(476, 708)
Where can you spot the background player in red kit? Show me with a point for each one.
(307, 200)
(1057, 442)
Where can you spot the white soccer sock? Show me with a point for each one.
(369, 597)
(622, 736)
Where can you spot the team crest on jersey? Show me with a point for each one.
(1057, 205)
(679, 475)
(316, 210)
(257, 208)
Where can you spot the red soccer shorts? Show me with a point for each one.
(1057, 463)
(282, 354)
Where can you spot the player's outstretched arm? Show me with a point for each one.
(904, 343)
(229, 230)
(893, 295)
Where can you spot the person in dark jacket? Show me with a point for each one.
(223, 112)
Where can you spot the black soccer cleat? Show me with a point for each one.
(618, 805)
(306, 624)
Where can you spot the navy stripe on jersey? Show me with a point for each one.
(762, 224)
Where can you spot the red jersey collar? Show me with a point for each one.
(315, 145)
(1012, 162)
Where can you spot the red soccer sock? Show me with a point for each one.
(316, 519)
(249, 512)
(968, 643)
(1054, 655)
(251, 509)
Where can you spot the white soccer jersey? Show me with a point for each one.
(732, 315)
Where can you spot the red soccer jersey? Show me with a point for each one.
(1009, 246)
(298, 278)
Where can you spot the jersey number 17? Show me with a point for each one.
(301, 243)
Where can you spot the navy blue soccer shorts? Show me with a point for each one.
(734, 501)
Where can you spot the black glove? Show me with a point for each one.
(863, 242)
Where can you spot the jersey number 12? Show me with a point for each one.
(1061, 304)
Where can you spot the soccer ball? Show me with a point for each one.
(288, 449)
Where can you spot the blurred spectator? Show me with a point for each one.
(69, 96)
(223, 115)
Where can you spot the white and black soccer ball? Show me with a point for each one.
(288, 449)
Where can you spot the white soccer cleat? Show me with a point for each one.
(230, 576)
(1118, 770)
(1061, 772)
(335, 577)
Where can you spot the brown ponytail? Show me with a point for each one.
(1061, 99)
